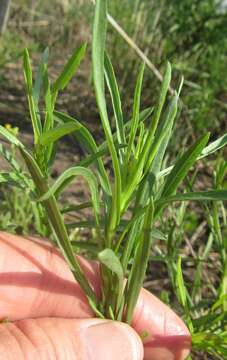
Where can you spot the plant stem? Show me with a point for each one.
(56, 220)
(222, 245)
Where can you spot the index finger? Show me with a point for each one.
(36, 282)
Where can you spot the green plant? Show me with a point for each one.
(7, 51)
(18, 213)
(129, 202)
(202, 300)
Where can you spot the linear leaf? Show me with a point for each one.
(136, 111)
(39, 78)
(53, 135)
(142, 167)
(27, 70)
(11, 178)
(88, 144)
(157, 234)
(130, 228)
(183, 165)
(36, 123)
(48, 124)
(92, 158)
(9, 136)
(219, 302)
(84, 245)
(86, 224)
(163, 134)
(69, 69)
(70, 208)
(208, 150)
(181, 168)
(158, 108)
(112, 262)
(213, 195)
(98, 49)
(8, 156)
(116, 100)
(214, 146)
(153, 144)
(109, 259)
(38, 83)
(68, 176)
(140, 262)
(144, 115)
(50, 151)
(180, 284)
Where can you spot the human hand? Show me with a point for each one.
(49, 317)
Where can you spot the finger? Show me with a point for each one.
(167, 337)
(90, 339)
(35, 281)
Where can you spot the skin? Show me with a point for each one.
(47, 316)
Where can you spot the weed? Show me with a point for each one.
(129, 203)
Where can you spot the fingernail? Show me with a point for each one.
(110, 340)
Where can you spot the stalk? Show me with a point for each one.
(56, 220)
(221, 243)
(140, 262)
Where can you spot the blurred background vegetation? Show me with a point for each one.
(191, 34)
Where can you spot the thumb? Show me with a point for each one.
(113, 340)
(55, 338)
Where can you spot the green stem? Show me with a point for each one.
(218, 233)
(140, 262)
(57, 223)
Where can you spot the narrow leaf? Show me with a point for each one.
(84, 245)
(213, 195)
(88, 144)
(53, 135)
(36, 123)
(181, 169)
(116, 100)
(139, 266)
(144, 115)
(157, 234)
(9, 136)
(69, 69)
(70, 208)
(68, 176)
(98, 49)
(180, 284)
(39, 78)
(208, 150)
(136, 111)
(214, 146)
(11, 178)
(8, 156)
(48, 124)
(109, 259)
(183, 165)
(159, 107)
(163, 134)
(112, 262)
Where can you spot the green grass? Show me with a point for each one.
(141, 207)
